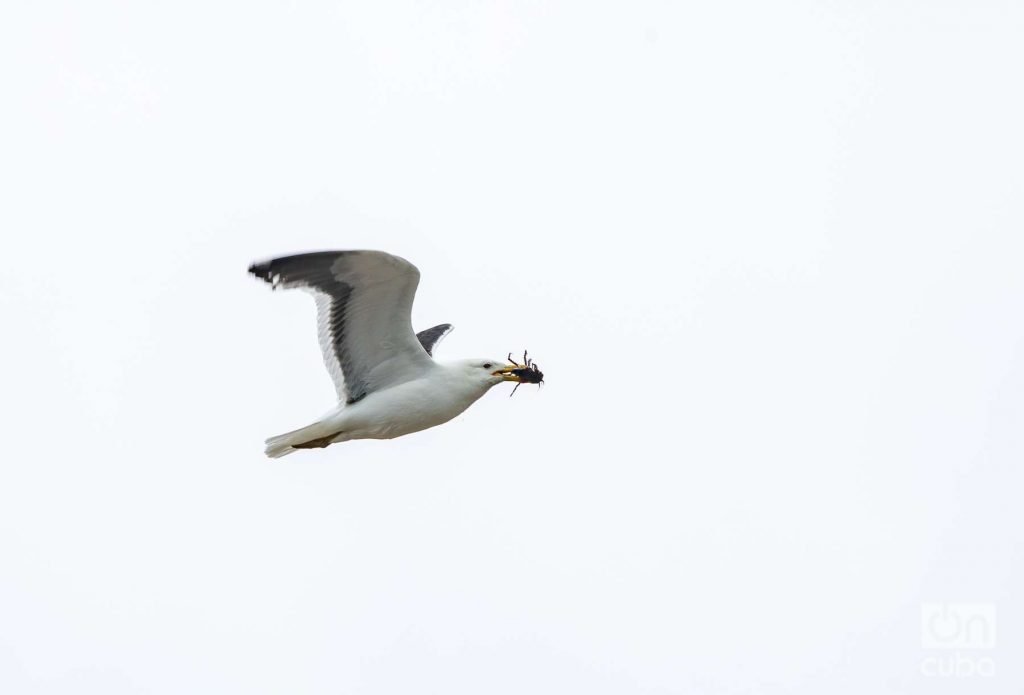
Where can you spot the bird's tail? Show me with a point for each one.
(279, 446)
(317, 435)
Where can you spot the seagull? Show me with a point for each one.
(386, 378)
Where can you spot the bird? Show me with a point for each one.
(387, 380)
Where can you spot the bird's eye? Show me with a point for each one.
(488, 365)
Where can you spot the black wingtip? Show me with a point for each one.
(261, 270)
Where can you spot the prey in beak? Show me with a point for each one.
(526, 373)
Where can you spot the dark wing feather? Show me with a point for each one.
(364, 302)
(432, 336)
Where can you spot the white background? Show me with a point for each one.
(768, 254)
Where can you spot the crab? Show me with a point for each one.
(528, 372)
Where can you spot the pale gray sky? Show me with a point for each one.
(768, 255)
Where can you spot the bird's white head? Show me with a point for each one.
(482, 374)
(486, 372)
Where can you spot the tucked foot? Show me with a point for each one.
(318, 443)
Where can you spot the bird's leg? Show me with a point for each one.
(318, 443)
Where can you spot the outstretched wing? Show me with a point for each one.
(364, 301)
(432, 336)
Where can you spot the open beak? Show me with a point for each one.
(506, 374)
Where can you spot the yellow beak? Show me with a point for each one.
(506, 374)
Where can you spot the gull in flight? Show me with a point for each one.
(387, 380)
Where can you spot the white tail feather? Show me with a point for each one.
(284, 444)
(279, 446)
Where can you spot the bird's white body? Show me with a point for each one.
(437, 396)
